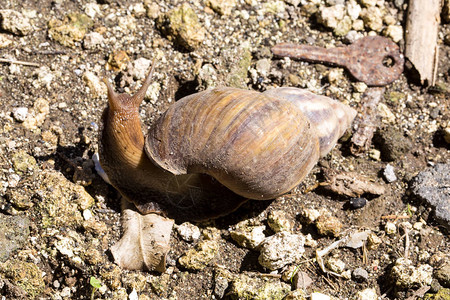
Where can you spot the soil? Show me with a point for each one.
(66, 139)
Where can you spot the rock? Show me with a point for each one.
(405, 275)
(61, 201)
(222, 277)
(258, 288)
(389, 173)
(278, 221)
(395, 32)
(5, 41)
(442, 294)
(442, 274)
(392, 143)
(310, 215)
(117, 60)
(238, 61)
(360, 275)
(328, 225)
(386, 114)
(343, 27)
(222, 7)
(20, 199)
(374, 154)
(281, 249)
(366, 294)
(390, 228)
(92, 9)
(263, 66)
(302, 280)
(25, 275)
(373, 18)
(297, 294)
(207, 76)
(44, 77)
(358, 202)
(140, 68)
(201, 256)
(181, 25)
(357, 239)
(93, 40)
(20, 113)
(319, 296)
(14, 232)
(71, 30)
(432, 186)
(152, 9)
(138, 10)
(188, 232)
(248, 235)
(335, 76)
(373, 241)
(335, 265)
(331, 16)
(353, 9)
(15, 22)
(95, 85)
(23, 162)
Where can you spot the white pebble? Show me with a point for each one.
(20, 113)
(389, 173)
(87, 214)
(390, 228)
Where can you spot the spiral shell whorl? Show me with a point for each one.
(258, 146)
(330, 117)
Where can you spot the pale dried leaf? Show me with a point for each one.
(145, 242)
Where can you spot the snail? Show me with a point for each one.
(206, 155)
(213, 150)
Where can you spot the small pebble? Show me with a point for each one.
(389, 173)
(360, 275)
(373, 241)
(302, 280)
(390, 228)
(366, 294)
(281, 249)
(336, 265)
(374, 154)
(87, 214)
(188, 232)
(319, 296)
(20, 113)
(356, 203)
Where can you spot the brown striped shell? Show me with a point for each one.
(259, 145)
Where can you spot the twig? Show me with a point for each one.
(50, 52)
(19, 62)
(406, 255)
(419, 293)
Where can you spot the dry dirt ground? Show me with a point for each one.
(59, 218)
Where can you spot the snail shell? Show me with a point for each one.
(258, 145)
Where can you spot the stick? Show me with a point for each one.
(19, 62)
(421, 38)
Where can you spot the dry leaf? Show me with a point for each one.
(145, 242)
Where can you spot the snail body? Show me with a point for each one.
(257, 145)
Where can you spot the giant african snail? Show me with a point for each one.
(258, 145)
